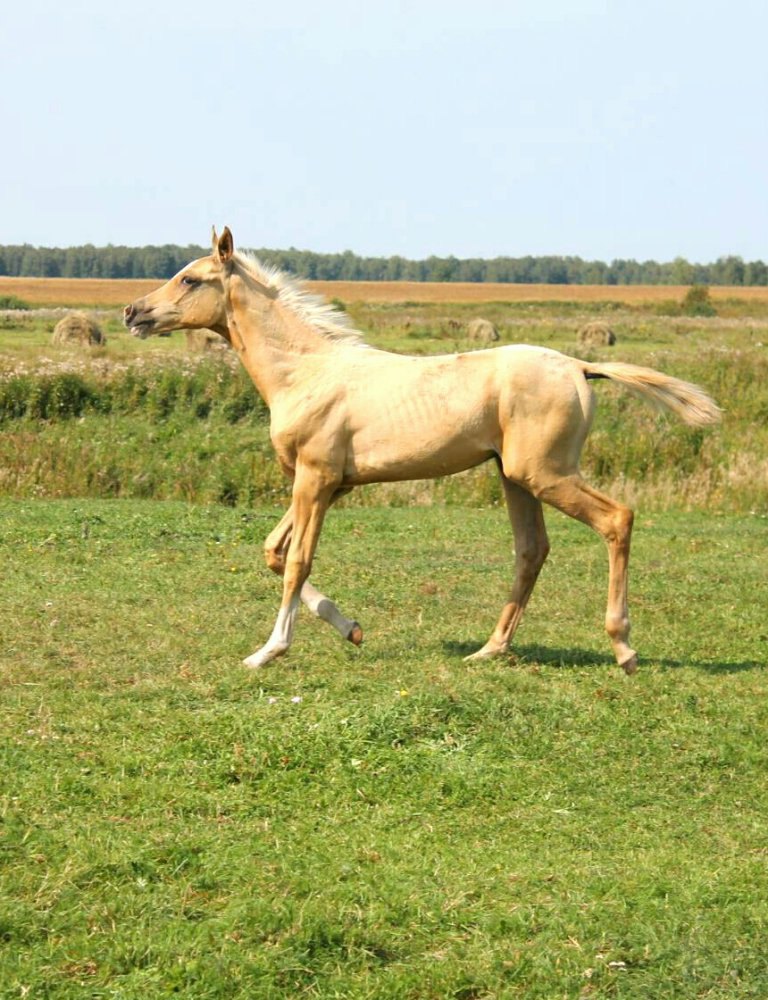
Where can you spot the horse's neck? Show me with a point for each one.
(271, 342)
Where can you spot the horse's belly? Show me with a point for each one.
(409, 455)
(423, 418)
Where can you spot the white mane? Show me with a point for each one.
(313, 309)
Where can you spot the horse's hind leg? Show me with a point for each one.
(275, 550)
(531, 549)
(613, 522)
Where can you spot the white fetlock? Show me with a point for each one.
(488, 650)
(264, 655)
(280, 640)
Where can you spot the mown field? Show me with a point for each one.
(96, 292)
(386, 822)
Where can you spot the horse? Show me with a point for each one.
(343, 414)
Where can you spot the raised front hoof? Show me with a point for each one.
(263, 655)
(629, 666)
(355, 634)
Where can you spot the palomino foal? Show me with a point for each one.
(344, 414)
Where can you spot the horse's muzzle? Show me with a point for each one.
(138, 322)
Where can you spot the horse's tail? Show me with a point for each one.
(688, 401)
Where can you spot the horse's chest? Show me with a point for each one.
(286, 445)
(311, 442)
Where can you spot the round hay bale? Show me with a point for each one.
(78, 329)
(204, 340)
(596, 334)
(482, 330)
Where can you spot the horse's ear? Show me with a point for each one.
(214, 239)
(225, 247)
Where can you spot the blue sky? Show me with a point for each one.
(484, 128)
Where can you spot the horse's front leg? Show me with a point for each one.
(531, 549)
(300, 528)
(275, 551)
(325, 609)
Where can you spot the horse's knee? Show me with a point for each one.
(627, 519)
(274, 559)
(296, 569)
(620, 530)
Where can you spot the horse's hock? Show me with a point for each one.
(78, 329)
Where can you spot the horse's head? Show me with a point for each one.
(192, 299)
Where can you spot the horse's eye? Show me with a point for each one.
(189, 281)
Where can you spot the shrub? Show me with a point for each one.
(47, 397)
(697, 302)
(12, 302)
(14, 393)
(202, 391)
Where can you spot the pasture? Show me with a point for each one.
(384, 822)
(390, 821)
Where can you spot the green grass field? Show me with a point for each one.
(388, 822)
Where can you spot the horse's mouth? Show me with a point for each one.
(141, 329)
(139, 320)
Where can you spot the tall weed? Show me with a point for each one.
(196, 429)
(158, 389)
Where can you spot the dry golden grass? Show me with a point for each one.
(108, 292)
(433, 291)
(75, 291)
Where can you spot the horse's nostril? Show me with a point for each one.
(128, 313)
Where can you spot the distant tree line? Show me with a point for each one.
(164, 261)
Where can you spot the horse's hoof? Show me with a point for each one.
(264, 655)
(629, 666)
(254, 662)
(355, 634)
(486, 653)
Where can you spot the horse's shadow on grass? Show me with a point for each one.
(565, 659)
